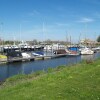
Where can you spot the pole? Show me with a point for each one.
(20, 36)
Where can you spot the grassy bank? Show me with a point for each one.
(76, 82)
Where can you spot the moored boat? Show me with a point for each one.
(25, 55)
(38, 53)
(86, 51)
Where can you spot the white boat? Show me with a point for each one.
(96, 49)
(48, 48)
(23, 45)
(38, 54)
(86, 51)
(25, 55)
(54, 47)
(7, 47)
(14, 46)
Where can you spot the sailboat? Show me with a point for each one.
(73, 50)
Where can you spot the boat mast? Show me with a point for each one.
(43, 34)
(66, 39)
(20, 37)
(1, 34)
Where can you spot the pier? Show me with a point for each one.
(17, 59)
(21, 59)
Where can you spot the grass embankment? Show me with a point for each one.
(77, 82)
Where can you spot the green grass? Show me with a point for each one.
(75, 82)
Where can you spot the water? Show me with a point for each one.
(8, 70)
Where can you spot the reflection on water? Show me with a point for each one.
(87, 57)
(90, 57)
(8, 70)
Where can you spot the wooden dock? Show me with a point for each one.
(20, 59)
(17, 59)
(49, 56)
(3, 60)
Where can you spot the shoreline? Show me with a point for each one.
(78, 81)
(50, 70)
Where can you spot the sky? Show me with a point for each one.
(49, 19)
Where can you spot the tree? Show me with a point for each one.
(98, 38)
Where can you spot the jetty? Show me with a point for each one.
(32, 58)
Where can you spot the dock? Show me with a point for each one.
(21, 59)
(3, 60)
(18, 59)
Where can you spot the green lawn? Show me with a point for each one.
(76, 82)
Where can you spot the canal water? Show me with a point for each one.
(8, 70)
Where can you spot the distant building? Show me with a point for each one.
(88, 42)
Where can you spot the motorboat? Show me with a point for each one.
(25, 55)
(38, 53)
(86, 51)
(96, 49)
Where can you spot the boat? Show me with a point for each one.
(54, 47)
(24, 45)
(25, 55)
(60, 51)
(96, 49)
(73, 48)
(1, 49)
(12, 54)
(38, 53)
(86, 51)
(73, 53)
(66, 52)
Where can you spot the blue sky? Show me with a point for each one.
(49, 19)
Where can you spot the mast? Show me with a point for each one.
(67, 39)
(1, 34)
(79, 38)
(43, 34)
(70, 41)
(20, 37)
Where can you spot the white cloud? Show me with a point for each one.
(85, 20)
